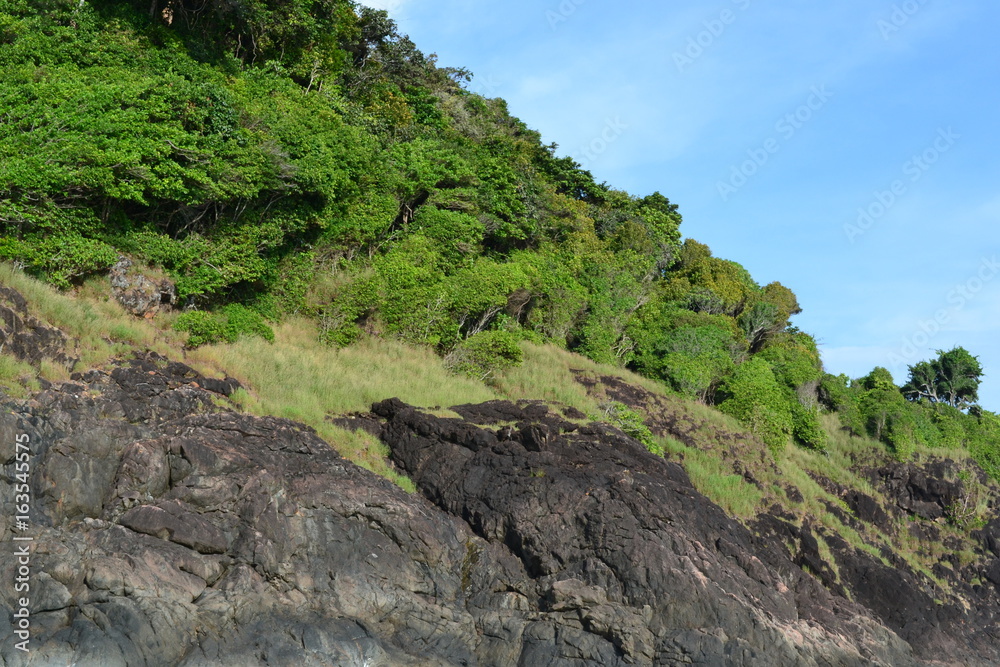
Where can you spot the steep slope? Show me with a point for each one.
(303, 216)
(169, 530)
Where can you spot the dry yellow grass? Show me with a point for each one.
(546, 375)
(100, 328)
(300, 378)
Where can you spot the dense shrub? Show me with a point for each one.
(340, 320)
(881, 412)
(754, 396)
(794, 359)
(227, 325)
(202, 327)
(984, 441)
(484, 355)
(835, 393)
(241, 321)
(806, 428)
(690, 359)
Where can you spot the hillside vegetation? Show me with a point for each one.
(343, 220)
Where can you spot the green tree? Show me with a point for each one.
(691, 359)
(883, 413)
(794, 359)
(754, 396)
(953, 379)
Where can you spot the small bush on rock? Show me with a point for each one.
(630, 422)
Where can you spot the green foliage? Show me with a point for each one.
(758, 321)
(239, 145)
(881, 412)
(115, 142)
(412, 298)
(806, 427)
(235, 320)
(950, 425)
(690, 358)
(713, 285)
(459, 235)
(794, 359)
(63, 259)
(984, 431)
(478, 294)
(303, 36)
(559, 298)
(835, 392)
(647, 226)
(241, 321)
(953, 379)
(754, 396)
(971, 510)
(340, 320)
(631, 423)
(289, 279)
(484, 355)
(202, 327)
(766, 316)
(876, 407)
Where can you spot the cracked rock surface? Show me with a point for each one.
(171, 532)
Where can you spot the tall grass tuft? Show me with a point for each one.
(715, 480)
(100, 328)
(300, 378)
(17, 379)
(547, 375)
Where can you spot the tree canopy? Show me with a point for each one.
(953, 379)
(279, 157)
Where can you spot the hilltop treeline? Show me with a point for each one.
(302, 156)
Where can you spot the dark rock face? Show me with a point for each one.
(27, 338)
(990, 536)
(867, 508)
(624, 562)
(169, 532)
(924, 492)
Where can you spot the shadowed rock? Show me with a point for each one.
(138, 294)
(26, 337)
(170, 532)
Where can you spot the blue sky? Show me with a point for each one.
(847, 150)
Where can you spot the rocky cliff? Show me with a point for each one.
(169, 530)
